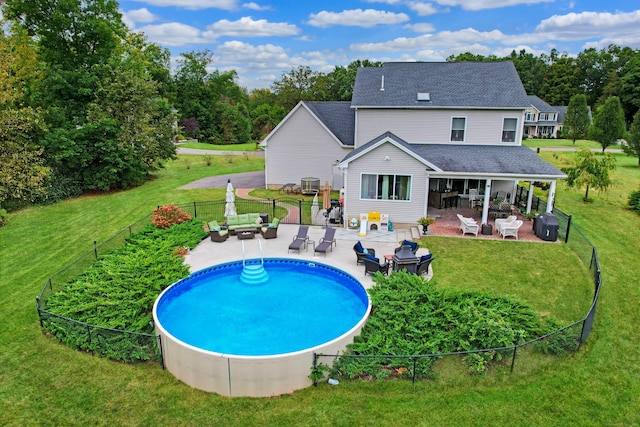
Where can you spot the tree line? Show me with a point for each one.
(86, 104)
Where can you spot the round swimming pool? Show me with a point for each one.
(252, 330)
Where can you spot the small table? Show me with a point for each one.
(245, 233)
(310, 242)
(389, 259)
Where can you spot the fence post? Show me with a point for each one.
(566, 237)
(515, 350)
(413, 379)
(315, 368)
(273, 207)
(95, 249)
(89, 332)
(300, 211)
(195, 210)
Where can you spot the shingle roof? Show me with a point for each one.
(472, 159)
(540, 105)
(338, 117)
(449, 85)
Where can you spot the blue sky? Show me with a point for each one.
(263, 39)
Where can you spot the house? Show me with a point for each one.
(541, 120)
(415, 136)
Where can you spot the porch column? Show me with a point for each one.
(530, 196)
(426, 196)
(552, 196)
(485, 204)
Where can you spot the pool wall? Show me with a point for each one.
(253, 376)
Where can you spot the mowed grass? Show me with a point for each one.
(42, 382)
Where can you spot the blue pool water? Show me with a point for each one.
(302, 305)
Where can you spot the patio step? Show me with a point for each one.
(415, 232)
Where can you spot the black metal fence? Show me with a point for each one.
(140, 346)
(559, 342)
(539, 205)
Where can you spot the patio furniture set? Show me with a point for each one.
(505, 227)
(404, 258)
(244, 226)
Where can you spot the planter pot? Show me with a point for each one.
(425, 229)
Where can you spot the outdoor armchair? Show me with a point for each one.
(361, 252)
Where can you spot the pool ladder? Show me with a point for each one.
(253, 274)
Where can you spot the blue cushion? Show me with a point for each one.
(414, 245)
(373, 258)
(358, 247)
(425, 257)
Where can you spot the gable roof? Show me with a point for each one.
(541, 105)
(489, 160)
(338, 117)
(448, 85)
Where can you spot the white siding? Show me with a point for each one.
(301, 148)
(434, 126)
(400, 211)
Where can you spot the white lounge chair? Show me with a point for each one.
(468, 225)
(503, 221)
(511, 229)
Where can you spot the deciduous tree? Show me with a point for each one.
(576, 120)
(590, 172)
(608, 123)
(632, 147)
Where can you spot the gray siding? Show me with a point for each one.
(302, 148)
(399, 163)
(434, 126)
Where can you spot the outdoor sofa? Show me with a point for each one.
(244, 221)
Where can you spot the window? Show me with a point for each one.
(530, 117)
(385, 187)
(457, 128)
(509, 128)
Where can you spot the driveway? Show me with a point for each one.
(239, 180)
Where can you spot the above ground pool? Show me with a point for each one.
(251, 330)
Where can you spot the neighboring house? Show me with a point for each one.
(541, 120)
(412, 132)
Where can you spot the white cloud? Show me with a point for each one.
(445, 39)
(579, 26)
(194, 4)
(132, 17)
(356, 18)
(422, 9)
(488, 4)
(420, 27)
(255, 6)
(247, 27)
(383, 1)
(173, 34)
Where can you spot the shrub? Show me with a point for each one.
(634, 200)
(168, 215)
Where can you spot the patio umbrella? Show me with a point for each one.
(326, 196)
(230, 207)
(316, 216)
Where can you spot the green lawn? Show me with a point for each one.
(563, 143)
(250, 146)
(43, 382)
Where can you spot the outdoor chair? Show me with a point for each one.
(499, 222)
(327, 242)
(361, 252)
(423, 265)
(511, 229)
(270, 231)
(413, 246)
(372, 265)
(217, 233)
(468, 225)
(473, 195)
(300, 239)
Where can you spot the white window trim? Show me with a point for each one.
(464, 131)
(515, 136)
(390, 199)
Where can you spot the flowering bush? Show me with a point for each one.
(168, 215)
(426, 220)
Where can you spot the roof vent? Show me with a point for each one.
(382, 83)
(424, 96)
